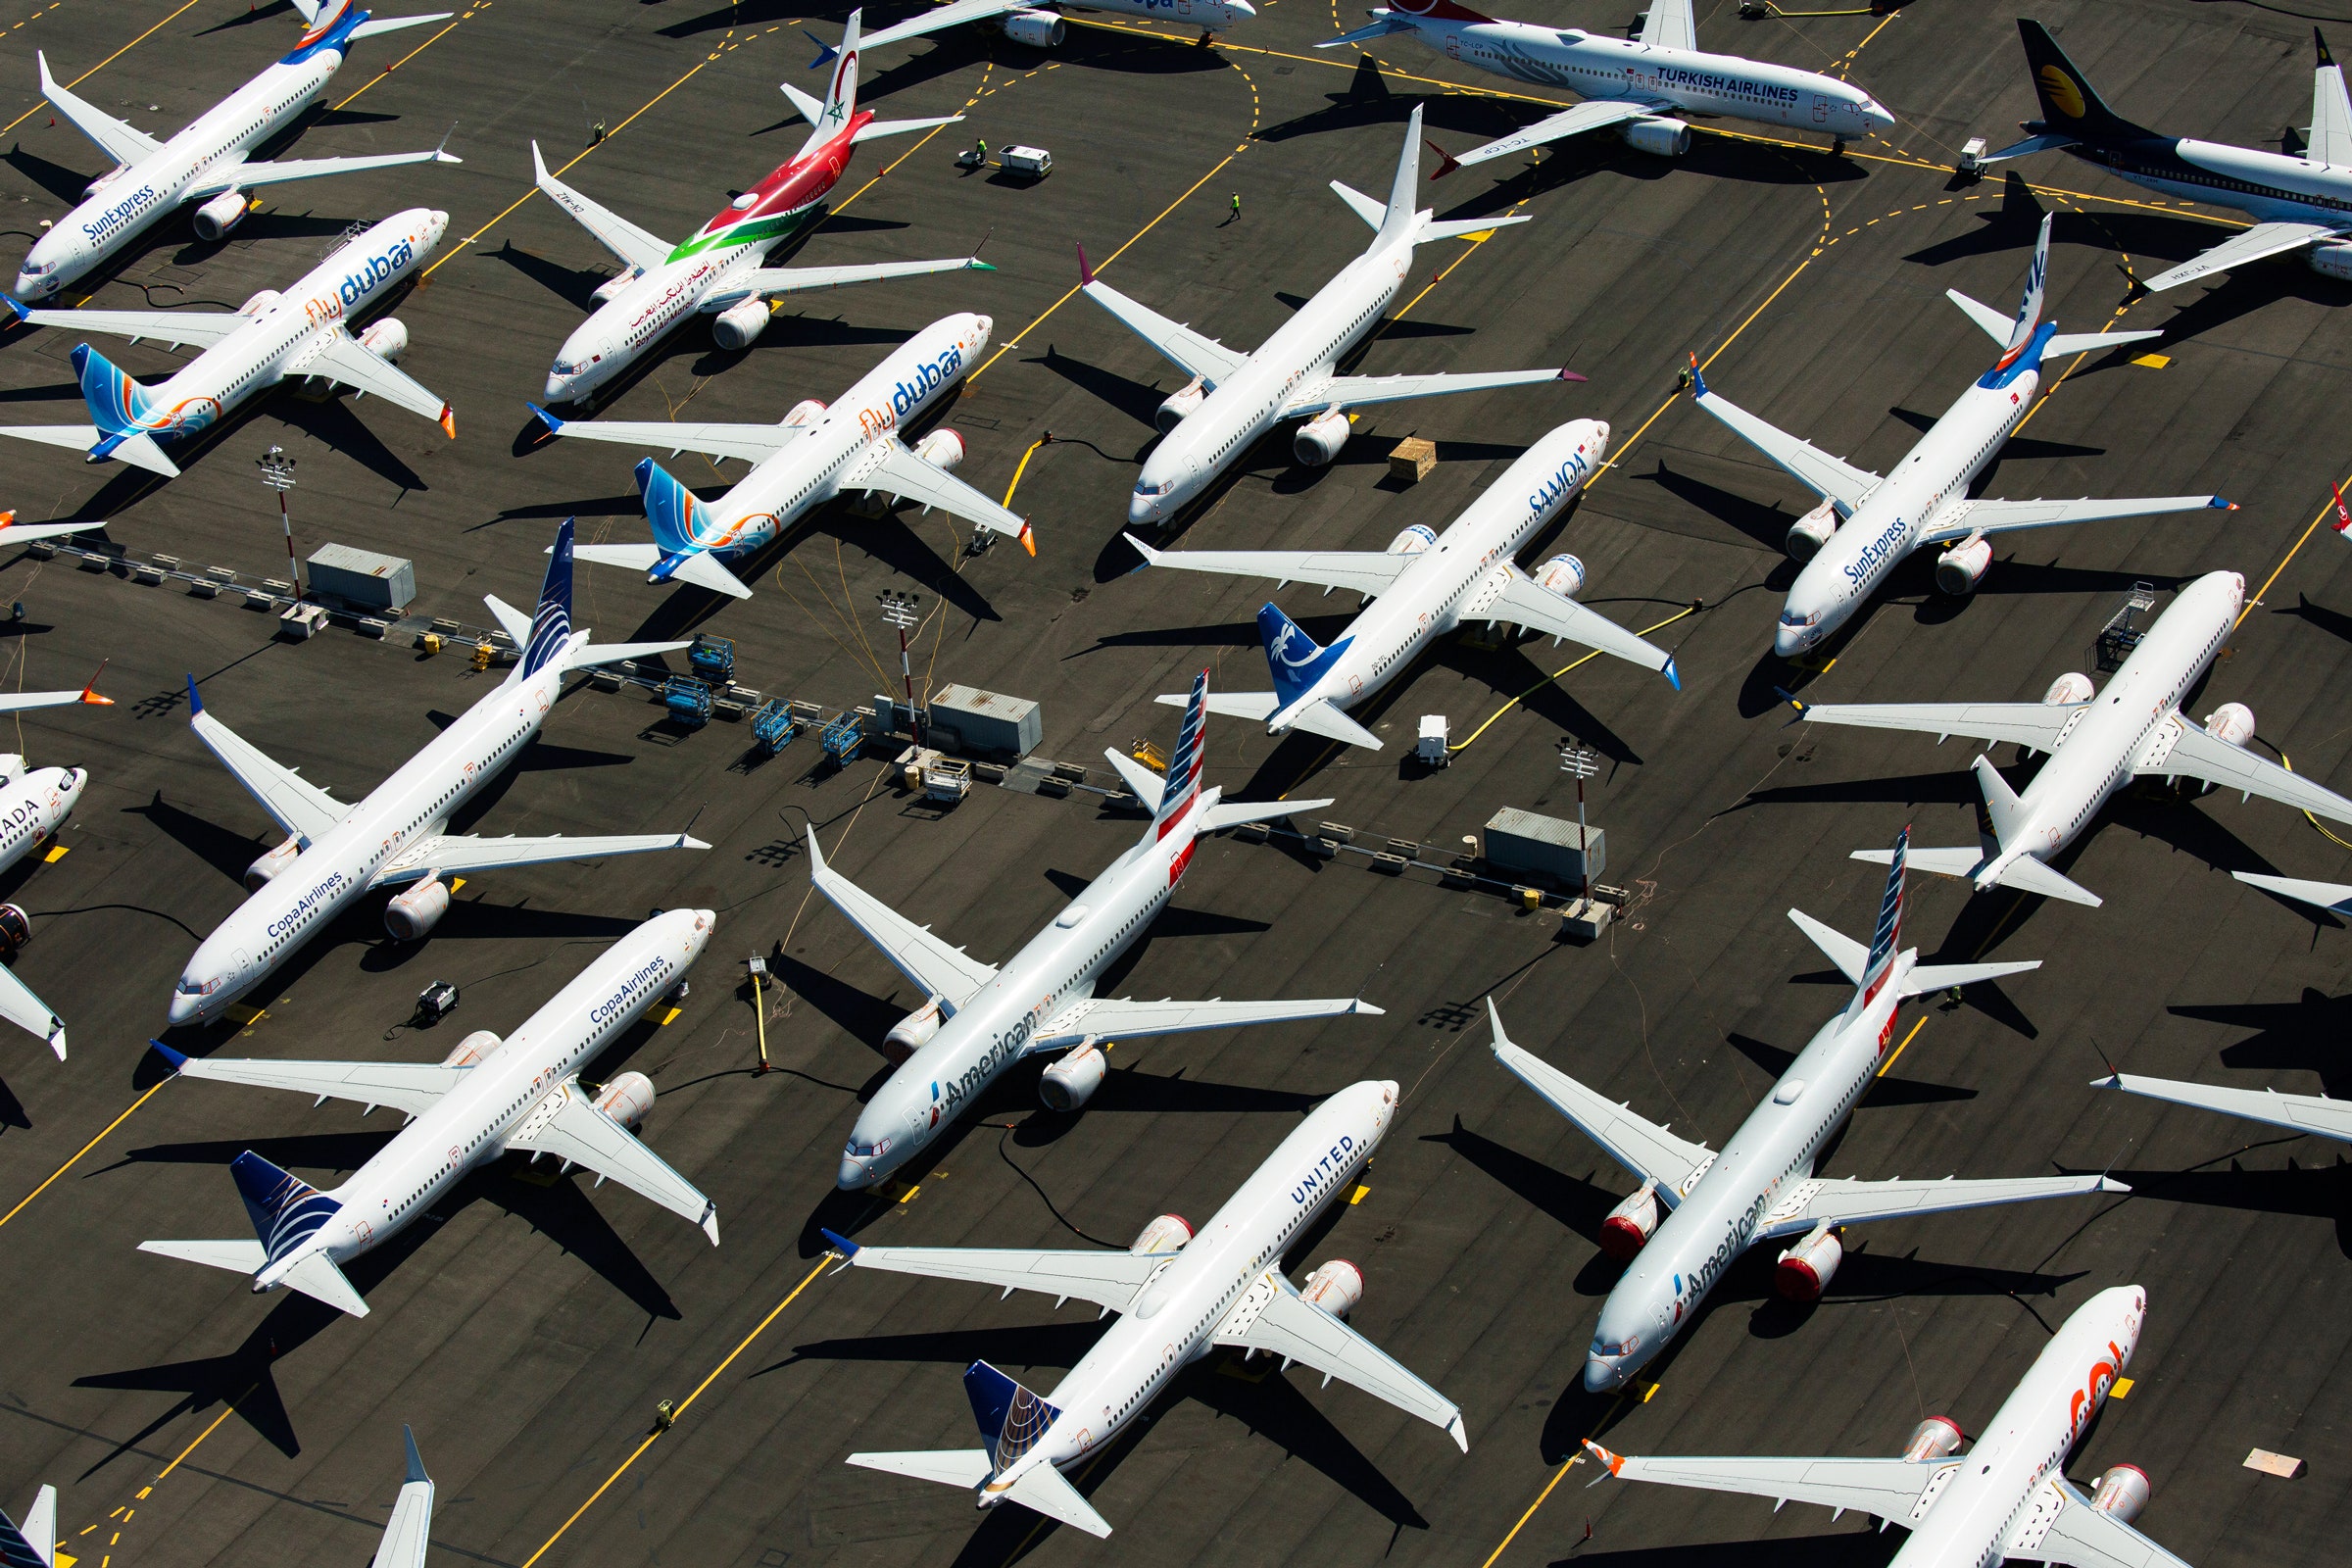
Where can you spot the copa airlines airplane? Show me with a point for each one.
(487, 1099)
(721, 271)
(2298, 203)
(1638, 85)
(2097, 743)
(1233, 398)
(333, 853)
(207, 162)
(979, 1020)
(1866, 524)
(1762, 1187)
(301, 333)
(1044, 26)
(1180, 1296)
(2009, 1499)
(35, 803)
(1426, 585)
(813, 454)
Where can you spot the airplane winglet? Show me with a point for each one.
(1614, 1462)
(1446, 165)
(1029, 539)
(415, 1459)
(2218, 504)
(1566, 374)
(174, 1059)
(839, 1242)
(826, 53)
(1086, 273)
(711, 1221)
(2325, 59)
(448, 421)
(1673, 676)
(15, 312)
(1698, 382)
(195, 703)
(555, 426)
(90, 693)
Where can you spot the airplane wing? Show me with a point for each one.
(412, 1522)
(301, 807)
(1112, 1019)
(1649, 1150)
(176, 328)
(904, 473)
(579, 1134)
(2334, 897)
(1110, 1280)
(1594, 114)
(1670, 25)
(122, 143)
(2239, 250)
(1884, 1489)
(2330, 140)
(926, 959)
(770, 281)
(340, 358)
(1190, 352)
(458, 853)
(2195, 754)
(412, 1087)
(1830, 478)
(2033, 726)
(27, 701)
(2084, 1537)
(1526, 603)
(1361, 391)
(2316, 1114)
(752, 443)
(938, 18)
(2005, 516)
(1359, 572)
(631, 245)
(1273, 1317)
(1843, 1201)
(29, 1013)
(247, 176)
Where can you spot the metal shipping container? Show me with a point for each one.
(1544, 846)
(363, 578)
(985, 723)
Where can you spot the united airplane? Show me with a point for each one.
(487, 1099)
(1867, 524)
(1037, 27)
(302, 334)
(207, 162)
(799, 465)
(1180, 1296)
(1642, 86)
(35, 803)
(1233, 398)
(1699, 1210)
(1425, 586)
(979, 1020)
(398, 836)
(2098, 742)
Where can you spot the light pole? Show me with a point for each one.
(901, 609)
(277, 472)
(1582, 762)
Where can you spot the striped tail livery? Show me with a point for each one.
(1183, 782)
(551, 627)
(1890, 933)
(286, 1211)
(670, 509)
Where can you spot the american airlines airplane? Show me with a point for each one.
(799, 465)
(2297, 203)
(1639, 86)
(2098, 742)
(35, 803)
(487, 1099)
(1426, 585)
(1180, 1295)
(2008, 1498)
(979, 1020)
(1866, 524)
(1233, 398)
(1036, 26)
(722, 270)
(333, 854)
(1699, 1210)
(303, 332)
(205, 163)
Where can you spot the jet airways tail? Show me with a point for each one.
(2069, 105)
(35, 1545)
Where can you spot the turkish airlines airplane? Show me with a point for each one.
(1180, 1295)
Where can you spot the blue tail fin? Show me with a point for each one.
(1011, 1418)
(551, 627)
(668, 508)
(286, 1211)
(1292, 654)
(119, 405)
(1890, 933)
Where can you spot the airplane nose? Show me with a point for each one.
(1240, 9)
(1141, 508)
(558, 388)
(852, 1175)
(986, 324)
(1602, 1376)
(1787, 642)
(187, 1007)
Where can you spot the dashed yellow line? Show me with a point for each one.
(479, 6)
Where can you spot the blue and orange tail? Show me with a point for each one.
(331, 25)
(119, 405)
(1890, 933)
(1182, 784)
(1294, 659)
(551, 626)
(286, 1211)
(1011, 1418)
(669, 508)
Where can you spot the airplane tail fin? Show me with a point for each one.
(321, 20)
(1181, 785)
(668, 508)
(2038, 277)
(1296, 659)
(286, 1211)
(120, 406)
(35, 1545)
(1405, 188)
(551, 626)
(1889, 935)
(2069, 104)
(1011, 1418)
(2001, 804)
(841, 93)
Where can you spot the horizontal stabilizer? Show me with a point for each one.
(1233, 705)
(2334, 897)
(702, 569)
(514, 622)
(588, 654)
(876, 129)
(1927, 977)
(1323, 717)
(237, 1257)
(2023, 873)
(1840, 949)
(1995, 325)
(950, 1467)
(1463, 228)
(636, 558)
(74, 438)
(1049, 1491)
(1363, 206)
(1146, 785)
(811, 107)
(2062, 344)
(1232, 813)
(377, 27)
(316, 1276)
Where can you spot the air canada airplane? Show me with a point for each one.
(35, 803)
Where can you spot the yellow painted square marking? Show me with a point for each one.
(1358, 1195)
(56, 854)
(2154, 362)
(2123, 1387)
(667, 1016)
(65, 1559)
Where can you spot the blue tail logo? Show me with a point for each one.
(286, 1211)
(1011, 1418)
(119, 405)
(669, 508)
(551, 627)
(1293, 658)
(1890, 933)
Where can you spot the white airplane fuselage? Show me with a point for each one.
(2269, 188)
(34, 805)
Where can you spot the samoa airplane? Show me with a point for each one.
(2298, 203)
(333, 854)
(1036, 27)
(1180, 1296)
(208, 161)
(1698, 1211)
(813, 454)
(2098, 741)
(35, 803)
(304, 332)
(1866, 526)
(487, 1099)
(978, 1019)
(1233, 398)
(2008, 1498)
(721, 270)
(1642, 86)
(1426, 585)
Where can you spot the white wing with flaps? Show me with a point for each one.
(1273, 1317)
(1884, 1489)
(458, 853)
(1108, 1279)
(752, 443)
(1598, 115)
(2080, 1536)
(905, 474)
(2007, 517)
(1645, 1149)
(1843, 1201)
(1189, 351)
(174, 328)
(631, 245)
(2241, 250)
(301, 807)
(2182, 747)
(283, 171)
(1830, 478)
(2316, 1115)
(1107, 1018)
(414, 1087)
(1360, 571)
(2036, 725)
(579, 1134)
(1361, 391)
(124, 144)
(1670, 25)
(928, 960)
(1524, 602)
(771, 280)
(340, 358)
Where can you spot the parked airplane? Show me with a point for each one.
(721, 271)
(814, 455)
(35, 1544)
(1042, 27)
(334, 853)
(2098, 743)
(979, 1020)
(1180, 1296)
(2321, 1115)
(2298, 203)
(2334, 897)
(1427, 585)
(1638, 85)
(303, 332)
(1866, 524)
(205, 163)
(1762, 1187)
(35, 803)
(410, 1529)
(2009, 1499)
(1233, 398)
(486, 1099)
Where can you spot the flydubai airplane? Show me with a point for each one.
(398, 834)
(35, 803)
(1233, 398)
(207, 162)
(1699, 1210)
(487, 1099)
(2098, 742)
(722, 270)
(813, 454)
(1180, 1295)
(2297, 203)
(1426, 585)
(303, 332)
(1867, 524)
(1036, 26)
(1639, 86)
(2009, 1498)
(979, 1020)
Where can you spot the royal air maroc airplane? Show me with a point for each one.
(1640, 86)
(35, 803)
(1036, 26)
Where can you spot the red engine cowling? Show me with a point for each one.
(1168, 1233)
(912, 1031)
(1803, 1271)
(626, 1098)
(2121, 1491)
(2233, 723)
(1938, 1436)
(2072, 687)
(1335, 1288)
(474, 1049)
(1629, 1224)
(1072, 1081)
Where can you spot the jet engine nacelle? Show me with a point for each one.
(1656, 136)
(1179, 405)
(1938, 1436)
(1803, 1271)
(1168, 1233)
(943, 448)
(610, 289)
(1960, 568)
(1072, 1081)
(1628, 1227)
(474, 1049)
(1335, 1288)
(386, 338)
(261, 301)
(2233, 723)
(410, 914)
(2123, 1491)
(1321, 439)
(626, 1098)
(104, 181)
(2332, 260)
(263, 870)
(1563, 575)
(912, 1031)
(1415, 540)
(806, 412)
(15, 928)
(1808, 533)
(2072, 687)
(740, 325)
(219, 215)
(1038, 30)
